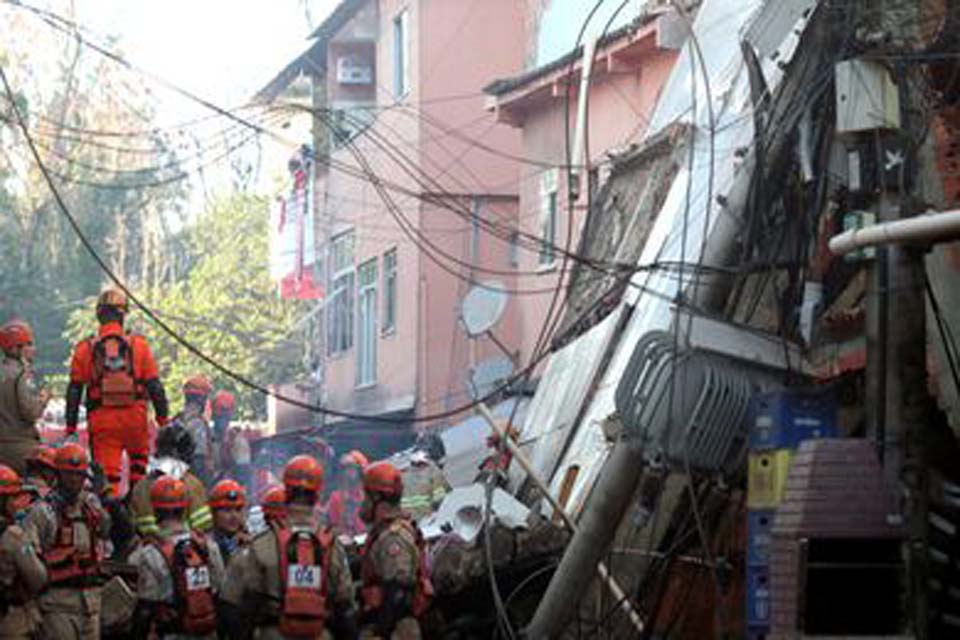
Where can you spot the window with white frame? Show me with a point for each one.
(340, 301)
(390, 291)
(401, 54)
(548, 216)
(367, 323)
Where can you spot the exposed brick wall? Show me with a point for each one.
(835, 489)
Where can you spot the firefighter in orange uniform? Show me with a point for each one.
(179, 572)
(292, 581)
(21, 403)
(228, 500)
(119, 374)
(396, 589)
(71, 528)
(22, 574)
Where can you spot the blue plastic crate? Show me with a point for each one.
(758, 596)
(784, 419)
(759, 527)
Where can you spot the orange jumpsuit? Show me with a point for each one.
(115, 429)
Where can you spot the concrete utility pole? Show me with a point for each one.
(896, 363)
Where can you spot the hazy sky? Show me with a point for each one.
(223, 50)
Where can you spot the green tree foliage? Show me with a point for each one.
(82, 111)
(225, 304)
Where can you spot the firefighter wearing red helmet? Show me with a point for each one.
(41, 472)
(222, 410)
(273, 503)
(343, 507)
(174, 452)
(22, 574)
(228, 502)
(71, 529)
(179, 573)
(293, 581)
(396, 589)
(21, 402)
(119, 374)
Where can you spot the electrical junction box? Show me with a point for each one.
(867, 97)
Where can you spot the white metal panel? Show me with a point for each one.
(774, 23)
(867, 98)
(561, 392)
(716, 28)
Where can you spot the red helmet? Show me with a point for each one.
(303, 472)
(168, 493)
(354, 457)
(273, 501)
(197, 385)
(383, 477)
(228, 494)
(223, 403)
(42, 455)
(10, 484)
(15, 333)
(71, 457)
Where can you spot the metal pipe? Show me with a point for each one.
(615, 589)
(932, 228)
(578, 160)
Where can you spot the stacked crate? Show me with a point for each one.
(779, 422)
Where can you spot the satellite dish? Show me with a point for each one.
(482, 307)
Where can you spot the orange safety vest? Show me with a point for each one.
(114, 383)
(304, 573)
(194, 610)
(66, 565)
(372, 590)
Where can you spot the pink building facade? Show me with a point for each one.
(629, 69)
(416, 173)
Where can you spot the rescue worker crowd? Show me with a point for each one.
(204, 567)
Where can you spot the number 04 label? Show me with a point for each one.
(198, 578)
(303, 576)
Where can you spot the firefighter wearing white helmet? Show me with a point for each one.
(424, 486)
